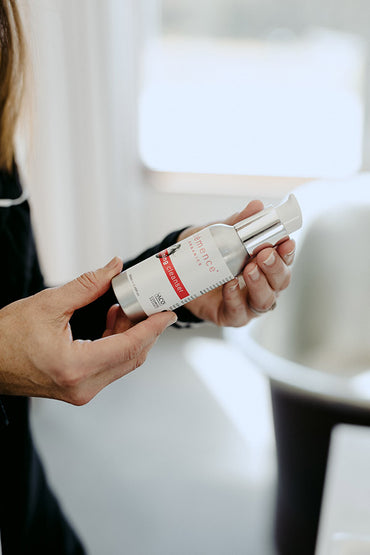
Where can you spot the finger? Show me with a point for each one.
(122, 323)
(111, 317)
(87, 287)
(260, 294)
(107, 377)
(117, 321)
(252, 208)
(116, 350)
(287, 251)
(234, 310)
(81, 387)
(95, 383)
(274, 268)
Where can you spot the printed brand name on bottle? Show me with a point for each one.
(200, 250)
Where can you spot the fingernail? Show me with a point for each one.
(173, 321)
(254, 274)
(270, 260)
(289, 257)
(234, 286)
(112, 263)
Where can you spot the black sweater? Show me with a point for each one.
(31, 521)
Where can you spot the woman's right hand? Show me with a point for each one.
(40, 358)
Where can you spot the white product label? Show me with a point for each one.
(179, 274)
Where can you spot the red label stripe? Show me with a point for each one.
(173, 276)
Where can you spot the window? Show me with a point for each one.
(255, 88)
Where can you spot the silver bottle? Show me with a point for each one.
(202, 261)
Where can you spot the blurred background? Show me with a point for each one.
(149, 115)
(137, 101)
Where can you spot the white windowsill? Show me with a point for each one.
(225, 185)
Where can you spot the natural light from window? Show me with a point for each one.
(287, 104)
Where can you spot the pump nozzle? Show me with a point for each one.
(270, 226)
(290, 214)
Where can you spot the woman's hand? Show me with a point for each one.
(256, 291)
(39, 357)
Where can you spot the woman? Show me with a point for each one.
(69, 342)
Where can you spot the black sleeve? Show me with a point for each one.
(89, 322)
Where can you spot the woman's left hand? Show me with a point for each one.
(255, 291)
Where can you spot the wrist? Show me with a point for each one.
(188, 231)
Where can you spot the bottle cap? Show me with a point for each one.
(270, 226)
(290, 214)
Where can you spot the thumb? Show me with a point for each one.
(88, 287)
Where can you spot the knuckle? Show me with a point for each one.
(77, 397)
(72, 390)
(140, 360)
(44, 299)
(266, 305)
(68, 375)
(240, 323)
(67, 379)
(156, 334)
(286, 281)
(134, 349)
(88, 280)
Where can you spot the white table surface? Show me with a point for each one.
(345, 517)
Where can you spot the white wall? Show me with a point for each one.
(82, 168)
(89, 197)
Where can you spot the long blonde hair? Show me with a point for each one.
(12, 78)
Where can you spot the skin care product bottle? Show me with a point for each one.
(200, 263)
